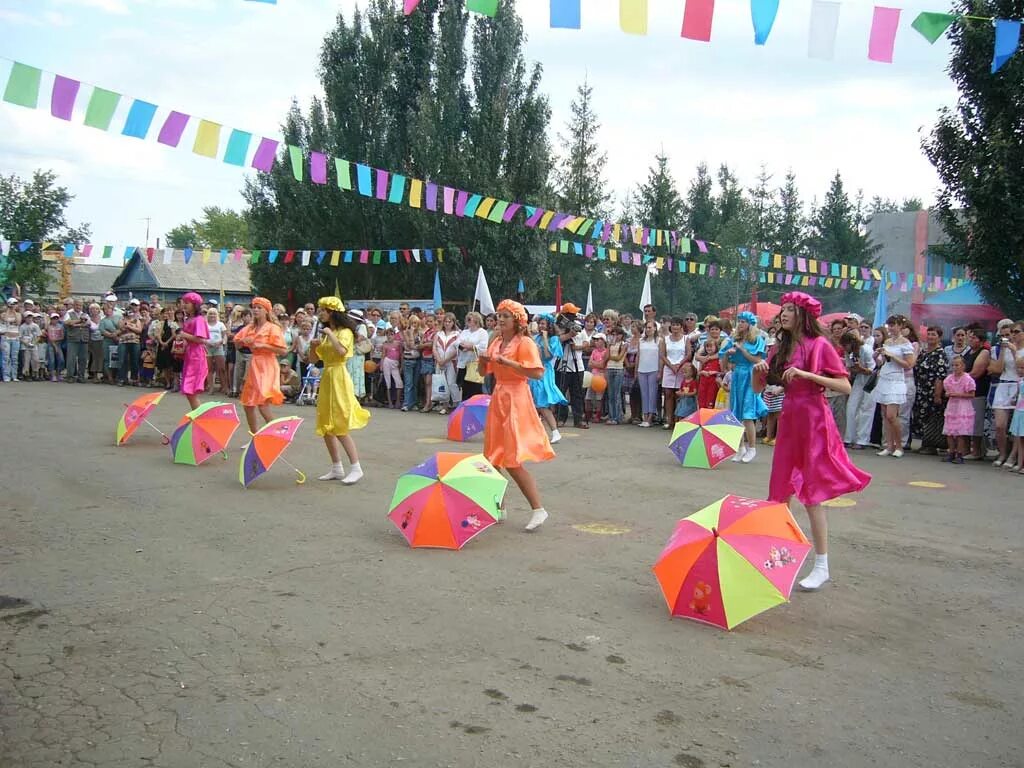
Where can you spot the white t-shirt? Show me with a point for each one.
(478, 339)
(572, 356)
(649, 357)
(216, 341)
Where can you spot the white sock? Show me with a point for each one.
(355, 472)
(818, 575)
(537, 519)
(555, 435)
(337, 471)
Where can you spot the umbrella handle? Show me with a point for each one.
(301, 475)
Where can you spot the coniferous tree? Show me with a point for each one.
(977, 149)
(790, 229)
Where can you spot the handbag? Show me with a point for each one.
(364, 347)
(872, 382)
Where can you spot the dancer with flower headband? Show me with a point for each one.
(744, 350)
(195, 332)
(810, 461)
(262, 386)
(513, 433)
(337, 409)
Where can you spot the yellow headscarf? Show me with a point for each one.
(332, 303)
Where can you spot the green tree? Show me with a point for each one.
(790, 229)
(835, 233)
(218, 228)
(34, 210)
(764, 213)
(660, 206)
(400, 93)
(977, 149)
(887, 205)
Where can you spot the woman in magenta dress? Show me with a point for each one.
(194, 366)
(810, 461)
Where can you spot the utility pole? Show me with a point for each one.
(148, 220)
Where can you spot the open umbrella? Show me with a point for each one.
(135, 414)
(468, 418)
(447, 500)
(203, 433)
(706, 438)
(731, 560)
(266, 447)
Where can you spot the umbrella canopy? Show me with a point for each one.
(731, 560)
(135, 413)
(706, 438)
(765, 311)
(447, 500)
(468, 418)
(203, 433)
(266, 447)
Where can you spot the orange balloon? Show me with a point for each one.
(370, 366)
(598, 383)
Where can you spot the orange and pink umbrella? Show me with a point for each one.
(135, 414)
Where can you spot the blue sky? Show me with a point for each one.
(240, 63)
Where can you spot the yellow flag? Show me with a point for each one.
(633, 16)
(207, 139)
(415, 193)
(545, 220)
(206, 255)
(337, 291)
(335, 258)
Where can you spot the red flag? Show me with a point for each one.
(149, 255)
(558, 293)
(289, 257)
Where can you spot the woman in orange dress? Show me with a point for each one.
(513, 433)
(263, 377)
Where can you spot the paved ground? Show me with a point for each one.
(173, 619)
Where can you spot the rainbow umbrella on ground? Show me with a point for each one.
(135, 414)
(706, 438)
(731, 560)
(266, 447)
(203, 433)
(468, 418)
(447, 500)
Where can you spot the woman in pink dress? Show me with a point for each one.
(810, 460)
(195, 332)
(959, 420)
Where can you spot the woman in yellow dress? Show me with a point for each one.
(262, 386)
(513, 433)
(337, 409)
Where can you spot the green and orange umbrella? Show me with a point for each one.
(731, 560)
(447, 500)
(266, 447)
(135, 414)
(203, 433)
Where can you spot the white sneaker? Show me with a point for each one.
(815, 579)
(353, 477)
(898, 453)
(537, 519)
(332, 475)
(738, 456)
(997, 463)
(748, 455)
(884, 452)
(645, 424)
(556, 436)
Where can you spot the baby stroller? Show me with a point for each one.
(310, 386)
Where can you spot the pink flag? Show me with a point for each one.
(263, 160)
(62, 100)
(884, 24)
(510, 212)
(173, 127)
(382, 184)
(697, 18)
(449, 200)
(410, 6)
(318, 167)
(364, 257)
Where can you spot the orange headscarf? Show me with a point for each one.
(517, 310)
(264, 304)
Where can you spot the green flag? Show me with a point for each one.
(23, 85)
(295, 153)
(101, 108)
(932, 25)
(486, 7)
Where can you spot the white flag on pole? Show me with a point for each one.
(590, 299)
(483, 294)
(645, 295)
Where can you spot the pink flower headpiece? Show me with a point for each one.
(805, 301)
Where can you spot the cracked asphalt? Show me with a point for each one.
(160, 615)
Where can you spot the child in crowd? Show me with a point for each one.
(773, 398)
(290, 382)
(959, 387)
(722, 398)
(391, 367)
(710, 374)
(686, 395)
(28, 333)
(615, 373)
(1017, 422)
(148, 361)
(54, 350)
(598, 364)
